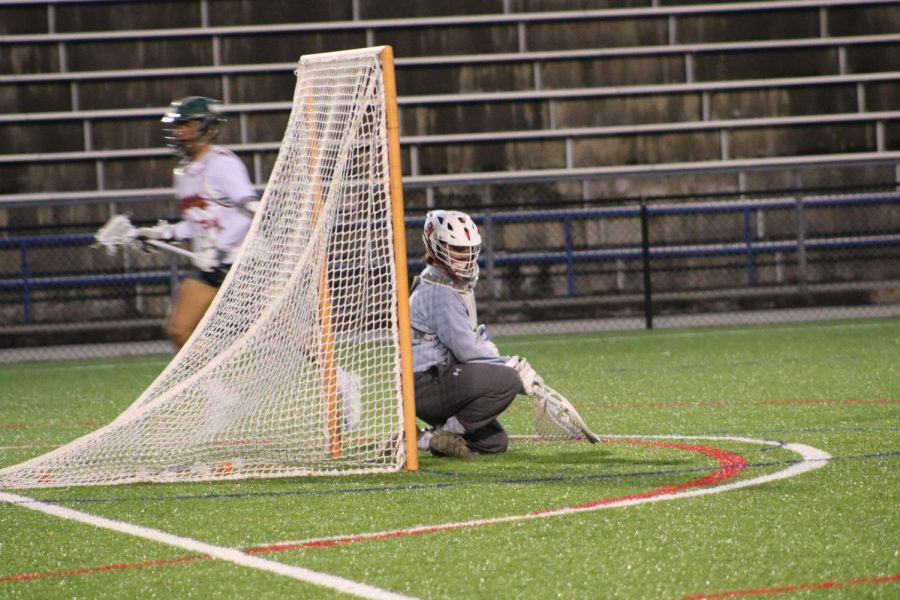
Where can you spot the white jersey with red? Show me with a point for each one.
(210, 191)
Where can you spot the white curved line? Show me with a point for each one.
(811, 458)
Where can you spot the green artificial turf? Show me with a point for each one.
(833, 386)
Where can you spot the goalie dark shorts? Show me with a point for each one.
(212, 278)
(475, 393)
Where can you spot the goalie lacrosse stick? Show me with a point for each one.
(555, 417)
(119, 231)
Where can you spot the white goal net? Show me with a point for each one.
(295, 369)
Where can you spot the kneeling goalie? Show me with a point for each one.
(462, 384)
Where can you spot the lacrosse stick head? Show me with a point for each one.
(556, 419)
(116, 232)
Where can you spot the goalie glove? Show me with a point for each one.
(531, 381)
(484, 338)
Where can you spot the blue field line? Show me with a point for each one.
(448, 485)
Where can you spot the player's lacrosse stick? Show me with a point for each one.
(555, 417)
(119, 231)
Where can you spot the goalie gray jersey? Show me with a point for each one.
(443, 320)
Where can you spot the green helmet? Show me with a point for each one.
(208, 111)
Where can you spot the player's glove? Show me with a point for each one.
(163, 231)
(485, 339)
(529, 377)
(207, 259)
(250, 205)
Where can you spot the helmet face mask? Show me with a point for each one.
(178, 123)
(452, 240)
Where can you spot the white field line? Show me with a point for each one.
(811, 458)
(237, 557)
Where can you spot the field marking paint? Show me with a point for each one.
(782, 589)
(811, 458)
(103, 568)
(237, 557)
(730, 465)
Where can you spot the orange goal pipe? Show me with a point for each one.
(399, 226)
(329, 367)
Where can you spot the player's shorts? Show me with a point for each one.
(212, 278)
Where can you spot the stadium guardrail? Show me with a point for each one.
(748, 245)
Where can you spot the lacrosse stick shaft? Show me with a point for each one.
(170, 248)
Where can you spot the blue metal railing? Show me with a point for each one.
(749, 246)
(26, 282)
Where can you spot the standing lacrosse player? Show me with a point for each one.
(217, 201)
(462, 384)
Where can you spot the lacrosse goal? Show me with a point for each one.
(302, 364)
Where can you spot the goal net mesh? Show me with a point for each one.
(295, 369)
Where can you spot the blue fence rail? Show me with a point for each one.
(750, 246)
(27, 282)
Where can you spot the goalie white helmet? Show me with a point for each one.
(452, 239)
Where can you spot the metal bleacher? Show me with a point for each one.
(626, 102)
(544, 117)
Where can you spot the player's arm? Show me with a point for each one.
(236, 186)
(249, 205)
(453, 330)
(530, 378)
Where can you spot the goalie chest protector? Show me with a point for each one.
(432, 275)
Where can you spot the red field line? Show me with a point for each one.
(821, 585)
(730, 465)
(102, 568)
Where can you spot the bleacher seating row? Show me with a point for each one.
(696, 82)
(503, 103)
